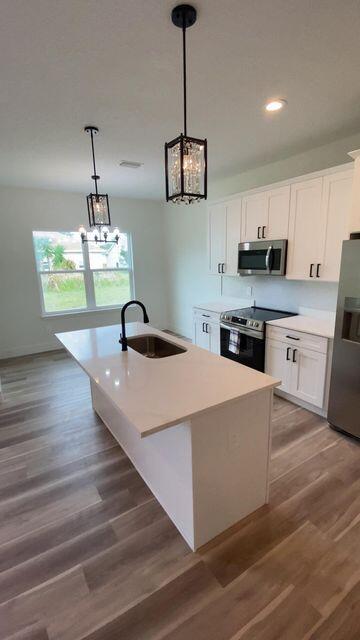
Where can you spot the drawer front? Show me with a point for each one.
(299, 338)
(206, 315)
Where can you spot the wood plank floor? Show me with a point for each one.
(87, 552)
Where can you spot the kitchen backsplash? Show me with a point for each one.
(284, 294)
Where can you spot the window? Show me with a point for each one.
(79, 277)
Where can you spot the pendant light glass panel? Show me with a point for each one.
(98, 210)
(185, 160)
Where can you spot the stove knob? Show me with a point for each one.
(256, 324)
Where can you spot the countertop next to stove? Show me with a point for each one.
(324, 326)
(224, 304)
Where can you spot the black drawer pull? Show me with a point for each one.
(258, 233)
(288, 353)
(318, 270)
(294, 354)
(292, 338)
(311, 270)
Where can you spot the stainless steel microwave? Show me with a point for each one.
(263, 258)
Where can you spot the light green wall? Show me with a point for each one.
(328, 155)
(186, 237)
(22, 329)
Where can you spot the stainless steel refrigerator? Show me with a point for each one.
(344, 399)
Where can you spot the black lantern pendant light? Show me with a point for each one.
(97, 204)
(185, 157)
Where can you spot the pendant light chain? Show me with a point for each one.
(185, 156)
(95, 176)
(184, 71)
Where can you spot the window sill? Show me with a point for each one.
(62, 314)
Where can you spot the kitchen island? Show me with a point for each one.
(195, 425)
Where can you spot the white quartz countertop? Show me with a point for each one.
(154, 394)
(316, 326)
(224, 304)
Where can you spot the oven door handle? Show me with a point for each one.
(247, 332)
(268, 260)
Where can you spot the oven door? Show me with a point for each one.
(243, 346)
(262, 258)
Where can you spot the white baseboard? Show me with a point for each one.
(27, 350)
(301, 403)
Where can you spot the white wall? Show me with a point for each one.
(22, 329)
(185, 230)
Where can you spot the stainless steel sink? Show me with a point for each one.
(152, 346)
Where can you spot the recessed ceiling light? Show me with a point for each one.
(275, 105)
(129, 164)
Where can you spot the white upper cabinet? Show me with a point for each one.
(336, 203)
(305, 228)
(319, 222)
(313, 214)
(254, 217)
(217, 237)
(233, 229)
(265, 215)
(224, 222)
(278, 213)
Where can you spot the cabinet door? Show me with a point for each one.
(278, 213)
(305, 229)
(278, 362)
(214, 334)
(308, 373)
(201, 337)
(216, 237)
(254, 217)
(336, 202)
(233, 224)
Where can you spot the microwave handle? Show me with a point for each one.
(267, 258)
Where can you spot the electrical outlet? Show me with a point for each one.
(235, 439)
(249, 291)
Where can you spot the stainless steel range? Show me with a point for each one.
(242, 333)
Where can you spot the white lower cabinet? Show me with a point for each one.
(201, 338)
(277, 364)
(308, 373)
(302, 371)
(206, 331)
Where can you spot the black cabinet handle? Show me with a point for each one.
(206, 315)
(292, 338)
(223, 267)
(311, 270)
(203, 327)
(219, 267)
(206, 328)
(263, 231)
(294, 355)
(318, 269)
(287, 353)
(258, 233)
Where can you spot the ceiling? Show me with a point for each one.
(117, 64)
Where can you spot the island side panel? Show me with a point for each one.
(163, 459)
(231, 455)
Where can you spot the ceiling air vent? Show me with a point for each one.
(130, 165)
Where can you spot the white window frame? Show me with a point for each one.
(87, 272)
